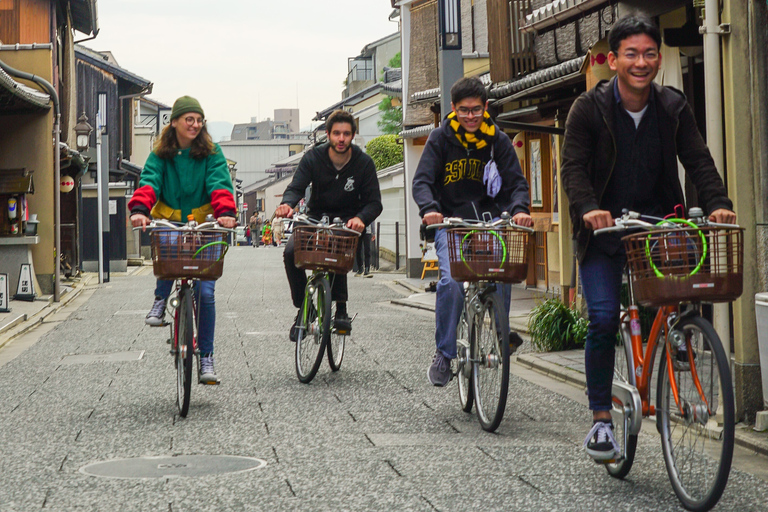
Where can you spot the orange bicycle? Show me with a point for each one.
(675, 265)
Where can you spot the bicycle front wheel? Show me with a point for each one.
(463, 363)
(185, 349)
(315, 329)
(697, 452)
(623, 371)
(489, 349)
(336, 344)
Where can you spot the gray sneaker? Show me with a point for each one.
(156, 315)
(207, 372)
(439, 373)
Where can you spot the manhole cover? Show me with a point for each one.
(179, 466)
(114, 357)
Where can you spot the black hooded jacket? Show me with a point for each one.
(350, 192)
(449, 177)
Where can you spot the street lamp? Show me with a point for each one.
(83, 131)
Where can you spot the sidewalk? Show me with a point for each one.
(566, 366)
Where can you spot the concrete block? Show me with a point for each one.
(761, 421)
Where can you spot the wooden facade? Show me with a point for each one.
(511, 52)
(25, 21)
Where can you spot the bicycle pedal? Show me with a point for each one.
(607, 461)
(209, 383)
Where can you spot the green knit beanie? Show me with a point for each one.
(186, 104)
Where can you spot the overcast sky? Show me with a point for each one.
(242, 58)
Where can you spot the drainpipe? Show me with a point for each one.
(712, 31)
(44, 84)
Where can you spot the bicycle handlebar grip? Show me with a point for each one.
(428, 235)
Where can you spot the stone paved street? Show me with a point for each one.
(373, 436)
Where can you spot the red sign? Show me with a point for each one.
(245, 206)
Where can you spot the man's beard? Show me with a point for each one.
(333, 147)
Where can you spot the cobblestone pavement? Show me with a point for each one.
(373, 436)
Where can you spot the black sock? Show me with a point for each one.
(341, 308)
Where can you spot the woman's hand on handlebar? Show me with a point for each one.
(283, 210)
(598, 219)
(139, 220)
(432, 218)
(227, 222)
(523, 219)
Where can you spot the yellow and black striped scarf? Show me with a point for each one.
(477, 140)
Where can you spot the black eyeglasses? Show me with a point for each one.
(192, 120)
(475, 111)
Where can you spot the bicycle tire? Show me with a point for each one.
(698, 469)
(316, 324)
(490, 362)
(463, 362)
(336, 344)
(185, 350)
(623, 371)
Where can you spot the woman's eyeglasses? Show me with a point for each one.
(190, 121)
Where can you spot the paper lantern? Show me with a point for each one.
(67, 184)
(519, 144)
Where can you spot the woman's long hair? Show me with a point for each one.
(167, 145)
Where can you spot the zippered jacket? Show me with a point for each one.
(449, 177)
(174, 188)
(589, 155)
(352, 191)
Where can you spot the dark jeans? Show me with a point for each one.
(363, 252)
(297, 279)
(601, 281)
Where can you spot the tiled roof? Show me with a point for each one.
(419, 131)
(539, 77)
(559, 12)
(16, 97)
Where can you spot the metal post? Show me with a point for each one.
(99, 208)
(57, 211)
(397, 246)
(378, 244)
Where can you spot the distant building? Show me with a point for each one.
(284, 126)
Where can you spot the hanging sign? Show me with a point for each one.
(26, 287)
(4, 294)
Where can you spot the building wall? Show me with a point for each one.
(252, 160)
(393, 201)
(25, 141)
(289, 116)
(384, 54)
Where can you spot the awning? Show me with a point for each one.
(419, 131)
(538, 81)
(131, 168)
(16, 181)
(17, 98)
(556, 13)
(285, 168)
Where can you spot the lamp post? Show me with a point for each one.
(449, 55)
(83, 131)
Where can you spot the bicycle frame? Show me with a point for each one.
(173, 302)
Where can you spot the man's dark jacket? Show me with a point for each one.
(449, 177)
(589, 155)
(350, 192)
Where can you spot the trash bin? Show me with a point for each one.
(761, 313)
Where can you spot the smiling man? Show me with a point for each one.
(622, 142)
(344, 185)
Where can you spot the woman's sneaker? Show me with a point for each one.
(600, 443)
(156, 315)
(207, 371)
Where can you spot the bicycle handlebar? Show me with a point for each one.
(336, 225)
(472, 223)
(165, 224)
(631, 220)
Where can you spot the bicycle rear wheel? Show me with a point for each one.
(697, 452)
(336, 346)
(489, 347)
(623, 371)
(315, 329)
(185, 349)
(463, 363)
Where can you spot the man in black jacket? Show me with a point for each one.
(451, 181)
(622, 141)
(344, 185)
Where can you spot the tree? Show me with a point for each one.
(391, 121)
(385, 151)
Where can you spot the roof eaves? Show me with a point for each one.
(418, 131)
(93, 57)
(361, 95)
(537, 80)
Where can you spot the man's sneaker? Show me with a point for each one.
(515, 341)
(207, 371)
(156, 315)
(358, 273)
(439, 373)
(368, 273)
(342, 324)
(600, 443)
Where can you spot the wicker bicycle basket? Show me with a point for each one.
(324, 249)
(686, 265)
(188, 254)
(483, 254)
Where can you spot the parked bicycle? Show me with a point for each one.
(187, 254)
(675, 265)
(325, 249)
(481, 254)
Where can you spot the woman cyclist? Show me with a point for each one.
(186, 174)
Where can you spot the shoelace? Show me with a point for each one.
(604, 433)
(206, 365)
(442, 366)
(158, 308)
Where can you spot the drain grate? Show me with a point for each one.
(181, 466)
(114, 357)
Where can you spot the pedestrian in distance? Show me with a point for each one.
(449, 183)
(622, 142)
(185, 174)
(344, 185)
(363, 256)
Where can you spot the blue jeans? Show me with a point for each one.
(601, 281)
(450, 299)
(206, 310)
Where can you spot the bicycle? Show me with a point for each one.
(186, 254)
(324, 248)
(675, 265)
(481, 254)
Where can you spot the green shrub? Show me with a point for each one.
(385, 151)
(554, 326)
